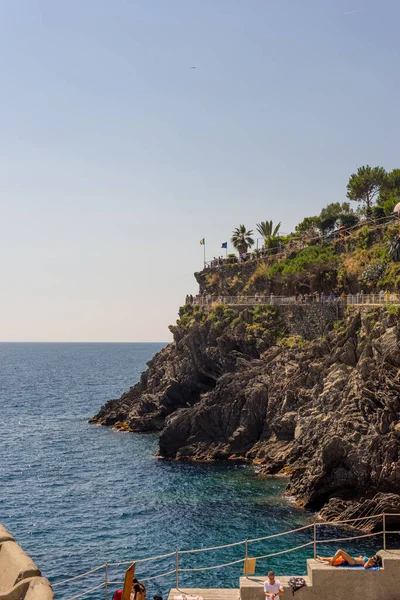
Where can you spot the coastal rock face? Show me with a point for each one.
(326, 412)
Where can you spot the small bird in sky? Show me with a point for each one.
(192, 67)
(351, 12)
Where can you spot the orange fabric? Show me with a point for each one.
(338, 561)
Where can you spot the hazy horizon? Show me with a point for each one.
(74, 342)
(118, 156)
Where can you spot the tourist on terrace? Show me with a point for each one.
(138, 590)
(343, 559)
(273, 587)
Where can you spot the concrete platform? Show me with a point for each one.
(334, 583)
(323, 583)
(207, 593)
(252, 588)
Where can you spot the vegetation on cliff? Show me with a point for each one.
(305, 392)
(367, 258)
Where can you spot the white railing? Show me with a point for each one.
(175, 556)
(271, 300)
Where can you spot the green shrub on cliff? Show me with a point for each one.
(222, 314)
(391, 277)
(189, 314)
(373, 272)
(393, 309)
(261, 274)
(365, 237)
(306, 258)
(264, 320)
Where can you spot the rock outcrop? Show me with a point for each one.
(326, 413)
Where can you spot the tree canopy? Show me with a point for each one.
(308, 225)
(241, 239)
(389, 194)
(336, 213)
(365, 185)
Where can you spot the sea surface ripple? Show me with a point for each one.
(76, 496)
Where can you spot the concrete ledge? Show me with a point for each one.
(20, 578)
(15, 565)
(39, 589)
(5, 536)
(33, 588)
(252, 588)
(334, 583)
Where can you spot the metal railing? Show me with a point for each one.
(175, 556)
(271, 300)
(300, 242)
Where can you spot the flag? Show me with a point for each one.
(203, 242)
(224, 245)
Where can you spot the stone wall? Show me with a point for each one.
(311, 321)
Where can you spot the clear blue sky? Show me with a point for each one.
(117, 157)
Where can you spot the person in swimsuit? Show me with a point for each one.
(342, 558)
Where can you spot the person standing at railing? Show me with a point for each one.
(273, 587)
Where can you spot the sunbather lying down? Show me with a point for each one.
(342, 558)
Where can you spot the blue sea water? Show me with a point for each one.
(76, 495)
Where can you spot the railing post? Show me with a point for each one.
(177, 570)
(315, 540)
(106, 587)
(384, 530)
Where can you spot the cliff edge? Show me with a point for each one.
(235, 384)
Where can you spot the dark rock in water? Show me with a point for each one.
(326, 413)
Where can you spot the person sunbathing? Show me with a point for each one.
(343, 559)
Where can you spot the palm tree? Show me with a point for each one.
(267, 230)
(241, 239)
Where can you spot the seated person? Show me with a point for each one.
(273, 588)
(138, 590)
(342, 558)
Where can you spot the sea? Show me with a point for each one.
(77, 496)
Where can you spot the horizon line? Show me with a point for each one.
(72, 342)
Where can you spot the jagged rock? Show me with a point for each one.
(339, 509)
(325, 412)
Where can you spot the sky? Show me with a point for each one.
(117, 156)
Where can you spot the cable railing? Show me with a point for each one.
(360, 298)
(178, 569)
(299, 242)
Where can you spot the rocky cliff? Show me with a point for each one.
(326, 413)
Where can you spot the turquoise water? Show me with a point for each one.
(77, 496)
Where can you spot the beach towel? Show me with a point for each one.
(358, 567)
